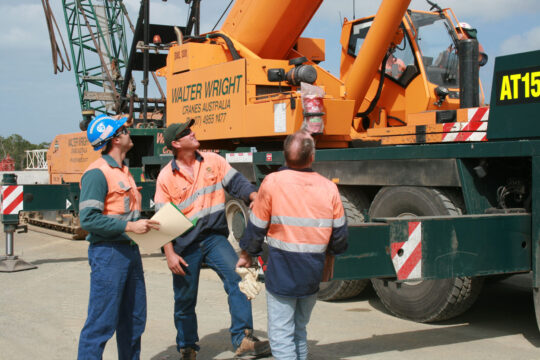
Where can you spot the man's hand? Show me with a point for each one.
(328, 269)
(248, 285)
(174, 261)
(244, 260)
(142, 226)
(252, 197)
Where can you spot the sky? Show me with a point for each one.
(38, 105)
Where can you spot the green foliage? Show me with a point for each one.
(15, 145)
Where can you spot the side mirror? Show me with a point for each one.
(441, 93)
(276, 75)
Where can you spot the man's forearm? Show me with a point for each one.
(168, 248)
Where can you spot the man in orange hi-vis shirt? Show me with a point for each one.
(301, 214)
(196, 183)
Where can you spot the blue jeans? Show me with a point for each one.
(216, 252)
(287, 321)
(117, 301)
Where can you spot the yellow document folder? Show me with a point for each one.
(172, 223)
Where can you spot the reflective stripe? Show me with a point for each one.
(207, 211)
(203, 191)
(123, 186)
(158, 206)
(339, 222)
(228, 176)
(257, 222)
(94, 204)
(305, 222)
(294, 247)
(131, 216)
(126, 204)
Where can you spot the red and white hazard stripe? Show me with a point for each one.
(12, 199)
(472, 130)
(407, 255)
(478, 114)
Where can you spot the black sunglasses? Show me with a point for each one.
(184, 132)
(471, 32)
(122, 131)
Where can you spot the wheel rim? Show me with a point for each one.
(428, 300)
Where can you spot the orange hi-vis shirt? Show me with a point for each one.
(201, 197)
(109, 199)
(302, 216)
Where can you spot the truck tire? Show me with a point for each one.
(428, 300)
(353, 203)
(237, 215)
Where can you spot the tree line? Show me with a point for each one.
(15, 146)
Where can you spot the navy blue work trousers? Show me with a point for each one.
(216, 252)
(117, 301)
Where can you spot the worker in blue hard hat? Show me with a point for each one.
(103, 129)
(110, 206)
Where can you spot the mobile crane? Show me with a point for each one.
(436, 200)
(238, 67)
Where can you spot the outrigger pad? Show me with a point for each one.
(13, 263)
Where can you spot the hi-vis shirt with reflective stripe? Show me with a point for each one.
(201, 197)
(302, 216)
(109, 199)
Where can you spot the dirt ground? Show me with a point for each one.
(42, 312)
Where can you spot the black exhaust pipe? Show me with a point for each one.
(469, 89)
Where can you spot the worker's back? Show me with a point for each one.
(304, 195)
(302, 210)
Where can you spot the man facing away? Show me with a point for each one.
(196, 184)
(110, 205)
(301, 214)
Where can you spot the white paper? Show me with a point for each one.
(280, 117)
(172, 223)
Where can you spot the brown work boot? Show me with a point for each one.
(188, 354)
(251, 347)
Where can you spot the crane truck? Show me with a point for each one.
(440, 190)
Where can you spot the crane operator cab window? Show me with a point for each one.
(400, 60)
(438, 49)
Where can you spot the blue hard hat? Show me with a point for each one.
(102, 129)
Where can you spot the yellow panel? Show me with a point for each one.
(338, 116)
(313, 49)
(332, 85)
(261, 118)
(422, 118)
(410, 139)
(391, 131)
(68, 156)
(417, 96)
(269, 28)
(190, 56)
(213, 96)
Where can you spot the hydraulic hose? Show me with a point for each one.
(229, 43)
(379, 91)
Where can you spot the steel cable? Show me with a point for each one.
(57, 56)
(222, 14)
